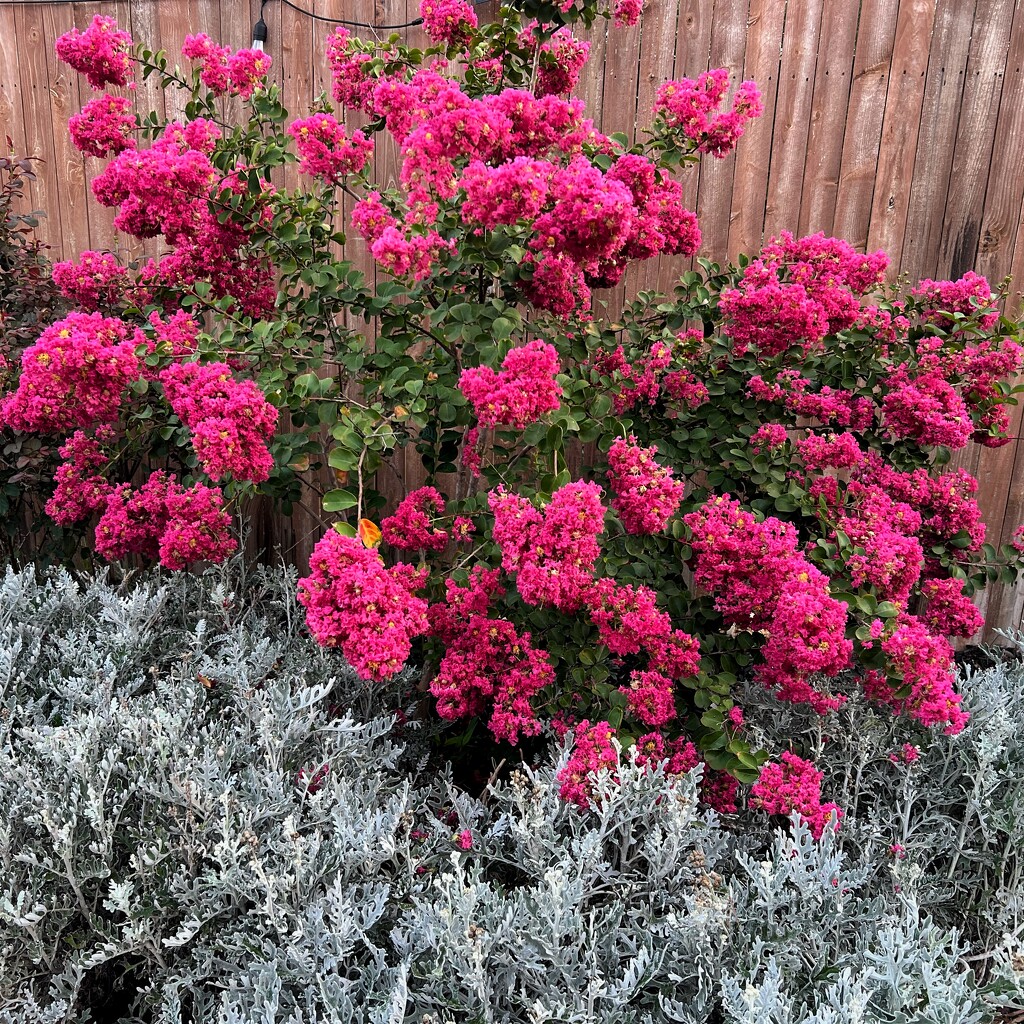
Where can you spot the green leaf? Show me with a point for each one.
(339, 500)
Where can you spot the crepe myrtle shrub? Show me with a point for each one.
(765, 490)
(29, 300)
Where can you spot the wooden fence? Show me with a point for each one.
(897, 124)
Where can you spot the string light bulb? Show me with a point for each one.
(259, 33)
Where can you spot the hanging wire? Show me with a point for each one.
(345, 21)
(287, 3)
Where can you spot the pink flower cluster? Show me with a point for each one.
(366, 610)
(166, 189)
(102, 52)
(798, 290)
(520, 393)
(511, 192)
(761, 582)
(561, 60)
(451, 22)
(970, 295)
(649, 377)
(552, 553)
(176, 336)
(926, 409)
(161, 190)
(829, 406)
(597, 222)
(887, 554)
(592, 750)
(768, 438)
(945, 503)
(518, 157)
(162, 519)
(351, 86)
(717, 789)
(629, 623)
(412, 525)
(949, 611)
(73, 376)
(487, 665)
(224, 72)
(402, 251)
(96, 280)
(325, 149)
(646, 495)
(650, 698)
(230, 420)
(692, 107)
(82, 487)
(104, 126)
(920, 680)
(627, 12)
(830, 451)
(794, 785)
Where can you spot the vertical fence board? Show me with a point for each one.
(715, 181)
(832, 78)
(656, 65)
(765, 23)
(898, 147)
(875, 40)
(793, 116)
(940, 112)
(692, 56)
(36, 107)
(12, 116)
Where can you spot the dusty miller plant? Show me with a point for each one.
(205, 824)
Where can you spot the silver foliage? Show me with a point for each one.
(166, 857)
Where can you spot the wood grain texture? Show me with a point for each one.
(940, 112)
(833, 75)
(692, 56)
(863, 129)
(792, 164)
(900, 129)
(715, 206)
(765, 23)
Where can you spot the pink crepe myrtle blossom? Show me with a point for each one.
(82, 487)
(231, 421)
(411, 526)
(369, 612)
(73, 376)
(646, 496)
(96, 280)
(102, 52)
(518, 394)
(793, 785)
(451, 22)
(326, 150)
(592, 750)
(552, 553)
(627, 12)
(104, 126)
(692, 107)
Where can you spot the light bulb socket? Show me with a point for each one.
(259, 34)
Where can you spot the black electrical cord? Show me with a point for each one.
(344, 21)
(287, 3)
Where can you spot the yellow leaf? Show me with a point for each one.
(369, 533)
